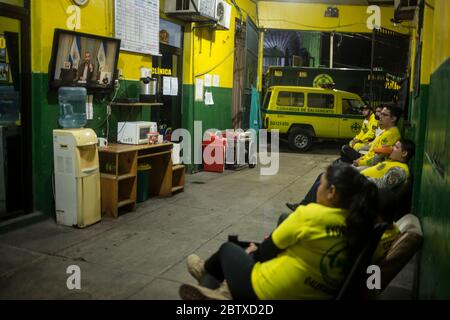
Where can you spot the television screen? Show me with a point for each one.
(80, 59)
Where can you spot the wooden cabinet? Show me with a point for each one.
(177, 178)
(118, 167)
(118, 174)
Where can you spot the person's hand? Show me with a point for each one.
(251, 248)
(356, 162)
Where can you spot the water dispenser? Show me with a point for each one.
(72, 107)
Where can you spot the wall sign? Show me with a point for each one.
(137, 25)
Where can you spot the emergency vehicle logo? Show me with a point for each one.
(355, 127)
(322, 79)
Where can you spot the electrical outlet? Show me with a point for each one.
(120, 74)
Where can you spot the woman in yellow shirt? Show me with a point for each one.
(306, 257)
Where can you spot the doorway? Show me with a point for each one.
(245, 72)
(238, 75)
(167, 69)
(15, 112)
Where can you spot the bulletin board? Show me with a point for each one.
(136, 23)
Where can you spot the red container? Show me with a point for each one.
(214, 158)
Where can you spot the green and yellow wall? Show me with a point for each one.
(205, 51)
(209, 51)
(96, 18)
(310, 16)
(430, 119)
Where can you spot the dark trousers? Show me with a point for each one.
(310, 197)
(349, 154)
(232, 263)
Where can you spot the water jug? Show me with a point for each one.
(72, 107)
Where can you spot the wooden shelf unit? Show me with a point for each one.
(118, 176)
(178, 178)
(118, 168)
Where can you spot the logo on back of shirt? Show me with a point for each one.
(332, 264)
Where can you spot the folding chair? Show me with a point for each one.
(400, 253)
(354, 284)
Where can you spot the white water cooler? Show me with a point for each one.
(77, 177)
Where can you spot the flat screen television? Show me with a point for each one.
(83, 60)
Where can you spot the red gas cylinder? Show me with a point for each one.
(213, 151)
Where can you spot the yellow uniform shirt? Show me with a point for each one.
(367, 132)
(387, 138)
(388, 237)
(311, 266)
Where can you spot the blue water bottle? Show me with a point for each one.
(72, 107)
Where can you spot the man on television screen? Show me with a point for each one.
(85, 69)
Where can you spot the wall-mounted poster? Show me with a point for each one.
(4, 72)
(2, 54)
(2, 49)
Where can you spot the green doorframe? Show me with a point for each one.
(250, 68)
(23, 15)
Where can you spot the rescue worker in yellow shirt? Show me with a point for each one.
(306, 257)
(367, 133)
(392, 173)
(389, 176)
(389, 117)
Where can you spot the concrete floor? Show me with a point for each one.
(141, 255)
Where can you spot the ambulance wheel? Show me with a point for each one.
(300, 140)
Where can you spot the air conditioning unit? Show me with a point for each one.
(405, 10)
(191, 10)
(223, 14)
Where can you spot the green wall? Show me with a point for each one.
(417, 131)
(45, 118)
(217, 116)
(434, 194)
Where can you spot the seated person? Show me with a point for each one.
(364, 148)
(388, 122)
(306, 257)
(389, 175)
(367, 133)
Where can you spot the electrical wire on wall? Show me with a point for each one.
(331, 28)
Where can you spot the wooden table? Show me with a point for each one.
(118, 168)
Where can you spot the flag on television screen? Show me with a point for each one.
(101, 57)
(74, 56)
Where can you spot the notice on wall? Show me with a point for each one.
(209, 98)
(198, 89)
(173, 86)
(166, 86)
(136, 23)
(170, 86)
(208, 80)
(216, 80)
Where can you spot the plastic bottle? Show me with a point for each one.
(72, 107)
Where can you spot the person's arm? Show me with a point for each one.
(266, 250)
(395, 177)
(286, 234)
(369, 135)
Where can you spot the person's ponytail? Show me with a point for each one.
(360, 197)
(362, 215)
